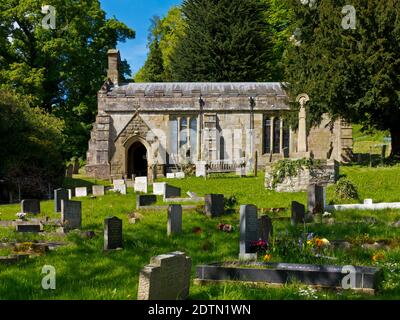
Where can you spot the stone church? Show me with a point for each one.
(150, 129)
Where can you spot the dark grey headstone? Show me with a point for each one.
(112, 233)
(248, 231)
(265, 230)
(30, 206)
(214, 205)
(316, 201)
(298, 213)
(70, 171)
(28, 228)
(174, 219)
(71, 215)
(143, 200)
(172, 192)
(59, 195)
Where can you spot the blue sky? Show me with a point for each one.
(136, 14)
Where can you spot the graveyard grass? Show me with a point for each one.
(84, 271)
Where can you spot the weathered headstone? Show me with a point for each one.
(76, 166)
(316, 199)
(81, 192)
(28, 228)
(298, 213)
(201, 170)
(30, 206)
(69, 171)
(241, 171)
(172, 192)
(145, 200)
(98, 190)
(118, 182)
(214, 205)
(170, 175)
(71, 215)
(174, 219)
(59, 195)
(112, 233)
(248, 231)
(167, 277)
(265, 228)
(121, 188)
(159, 188)
(141, 184)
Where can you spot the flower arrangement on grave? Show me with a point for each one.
(21, 215)
(225, 227)
(267, 258)
(260, 246)
(378, 256)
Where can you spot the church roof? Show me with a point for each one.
(202, 88)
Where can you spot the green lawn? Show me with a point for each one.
(85, 272)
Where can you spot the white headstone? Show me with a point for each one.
(81, 192)
(201, 169)
(98, 190)
(170, 175)
(159, 188)
(180, 175)
(368, 202)
(120, 188)
(141, 184)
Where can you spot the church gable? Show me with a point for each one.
(135, 127)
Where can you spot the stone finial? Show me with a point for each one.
(302, 133)
(114, 60)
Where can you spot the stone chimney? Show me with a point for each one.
(114, 60)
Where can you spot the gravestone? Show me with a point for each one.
(118, 182)
(172, 192)
(201, 170)
(30, 206)
(70, 171)
(112, 233)
(121, 188)
(145, 200)
(81, 192)
(98, 190)
(266, 230)
(159, 188)
(248, 231)
(192, 195)
(180, 175)
(76, 166)
(316, 199)
(167, 277)
(71, 193)
(71, 215)
(298, 213)
(141, 184)
(174, 219)
(59, 195)
(28, 228)
(170, 175)
(214, 205)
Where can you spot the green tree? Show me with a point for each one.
(349, 73)
(30, 146)
(224, 40)
(61, 70)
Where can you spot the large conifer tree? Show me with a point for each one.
(225, 40)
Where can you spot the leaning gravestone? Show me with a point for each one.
(112, 233)
(248, 231)
(145, 200)
(316, 199)
(98, 190)
(71, 215)
(81, 192)
(59, 195)
(174, 219)
(215, 204)
(167, 277)
(298, 213)
(171, 192)
(265, 231)
(30, 206)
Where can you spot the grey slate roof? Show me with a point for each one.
(203, 88)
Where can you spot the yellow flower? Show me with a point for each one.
(378, 256)
(310, 242)
(267, 257)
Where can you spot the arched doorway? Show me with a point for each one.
(137, 160)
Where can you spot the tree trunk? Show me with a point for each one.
(395, 134)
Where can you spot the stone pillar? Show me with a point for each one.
(302, 131)
(272, 134)
(198, 139)
(178, 156)
(189, 145)
(281, 136)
